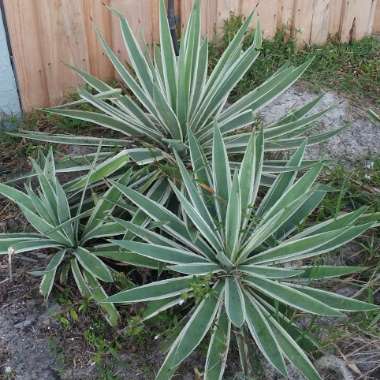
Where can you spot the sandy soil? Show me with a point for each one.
(360, 140)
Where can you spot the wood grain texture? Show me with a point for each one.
(285, 17)
(226, 8)
(46, 34)
(26, 48)
(138, 14)
(65, 43)
(372, 17)
(376, 23)
(267, 13)
(303, 18)
(185, 7)
(357, 19)
(320, 21)
(97, 16)
(335, 17)
(212, 18)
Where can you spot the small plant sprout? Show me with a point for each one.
(11, 252)
(236, 254)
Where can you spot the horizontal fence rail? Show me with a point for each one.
(47, 34)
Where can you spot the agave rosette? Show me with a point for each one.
(248, 250)
(64, 226)
(173, 96)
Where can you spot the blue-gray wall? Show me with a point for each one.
(9, 101)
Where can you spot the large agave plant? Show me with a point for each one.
(248, 250)
(68, 229)
(168, 97)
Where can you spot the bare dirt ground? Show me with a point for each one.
(24, 349)
(34, 345)
(359, 140)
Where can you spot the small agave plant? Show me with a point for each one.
(69, 230)
(169, 98)
(249, 251)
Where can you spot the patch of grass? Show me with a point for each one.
(15, 151)
(106, 351)
(59, 355)
(355, 187)
(83, 336)
(353, 68)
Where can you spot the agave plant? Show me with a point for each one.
(248, 248)
(69, 230)
(168, 97)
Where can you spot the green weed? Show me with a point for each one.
(352, 68)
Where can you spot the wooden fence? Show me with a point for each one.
(45, 34)
(376, 24)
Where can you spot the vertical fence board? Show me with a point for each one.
(136, 14)
(64, 44)
(204, 18)
(209, 11)
(285, 17)
(185, 12)
(177, 7)
(267, 12)
(45, 34)
(357, 19)
(247, 6)
(155, 20)
(303, 18)
(23, 30)
(225, 8)
(97, 16)
(211, 14)
(376, 25)
(335, 17)
(372, 16)
(320, 21)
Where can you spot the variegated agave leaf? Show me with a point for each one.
(248, 249)
(374, 117)
(67, 229)
(174, 98)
